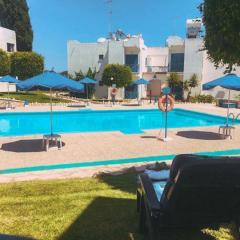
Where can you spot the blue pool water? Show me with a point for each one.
(126, 121)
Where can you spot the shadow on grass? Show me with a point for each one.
(105, 218)
(32, 145)
(128, 183)
(125, 182)
(12, 237)
(117, 219)
(200, 135)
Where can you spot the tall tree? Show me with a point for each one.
(14, 15)
(222, 20)
(121, 75)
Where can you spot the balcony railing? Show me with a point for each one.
(134, 67)
(161, 69)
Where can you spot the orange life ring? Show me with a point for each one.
(114, 92)
(162, 103)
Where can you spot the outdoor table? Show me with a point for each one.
(226, 131)
(55, 138)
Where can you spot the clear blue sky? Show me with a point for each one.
(56, 21)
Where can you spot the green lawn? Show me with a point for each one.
(35, 96)
(80, 209)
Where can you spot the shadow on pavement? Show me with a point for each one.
(200, 135)
(31, 145)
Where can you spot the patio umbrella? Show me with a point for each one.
(52, 81)
(9, 79)
(229, 81)
(87, 81)
(141, 81)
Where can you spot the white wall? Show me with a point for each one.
(116, 52)
(81, 56)
(193, 60)
(210, 72)
(4, 87)
(193, 57)
(7, 36)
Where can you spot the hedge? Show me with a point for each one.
(26, 64)
(4, 63)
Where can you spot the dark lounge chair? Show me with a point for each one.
(201, 191)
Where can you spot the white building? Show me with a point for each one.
(184, 56)
(8, 40)
(8, 44)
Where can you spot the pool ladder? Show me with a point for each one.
(234, 118)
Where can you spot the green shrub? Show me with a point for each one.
(4, 63)
(202, 99)
(120, 75)
(26, 64)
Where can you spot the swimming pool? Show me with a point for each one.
(126, 121)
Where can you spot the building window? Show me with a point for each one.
(132, 61)
(10, 47)
(100, 57)
(177, 62)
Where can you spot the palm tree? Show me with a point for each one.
(190, 84)
(174, 81)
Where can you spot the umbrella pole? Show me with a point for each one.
(8, 96)
(51, 120)
(87, 91)
(228, 107)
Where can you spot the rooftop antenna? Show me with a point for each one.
(109, 3)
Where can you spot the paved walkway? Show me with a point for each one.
(18, 152)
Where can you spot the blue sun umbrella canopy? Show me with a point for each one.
(141, 81)
(9, 79)
(50, 80)
(230, 81)
(87, 80)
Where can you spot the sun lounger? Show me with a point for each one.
(201, 192)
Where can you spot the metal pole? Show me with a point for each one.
(166, 116)
(87, 91)
(228, 108)
(51, 117)
(8, 96)
(141, 94)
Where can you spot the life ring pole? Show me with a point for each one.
(163, 105)
(166, 112)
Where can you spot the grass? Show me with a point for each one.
(84, 209)
(36, 96)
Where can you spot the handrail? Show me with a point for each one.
(238, 116)
(233, 117)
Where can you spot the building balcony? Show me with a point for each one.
(134, 67)
(157, 69)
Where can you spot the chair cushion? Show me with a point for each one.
(158, 175)
(158, 188)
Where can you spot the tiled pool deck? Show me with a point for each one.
(21, 152)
